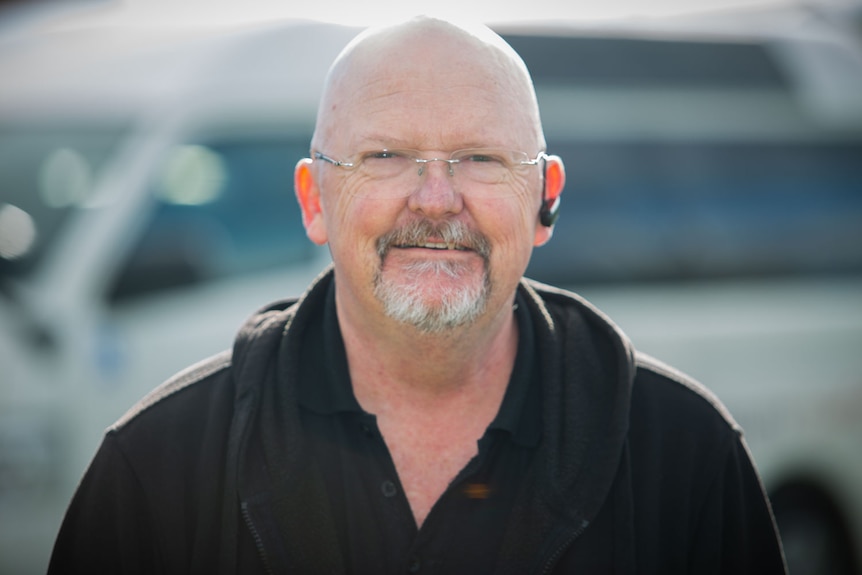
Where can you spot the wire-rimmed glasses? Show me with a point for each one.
(397, 171)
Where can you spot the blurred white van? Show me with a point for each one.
(146, 209)
(714, 210)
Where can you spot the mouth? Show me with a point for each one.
(432, 245)
(450, 236)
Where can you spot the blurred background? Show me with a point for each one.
(713, 209)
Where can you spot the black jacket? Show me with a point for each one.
(640, 469)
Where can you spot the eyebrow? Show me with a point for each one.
(382, 141)
(379, 141)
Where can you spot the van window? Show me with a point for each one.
(665, 210)
(634, 62)
(690, 160)
(46, 173)
(224, 208)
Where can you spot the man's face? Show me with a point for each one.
(442, 254)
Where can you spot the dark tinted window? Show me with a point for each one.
(633, 61)
(225, 208)
(46, 173)
(681, 210)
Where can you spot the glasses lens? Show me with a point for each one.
(387, 164)
(488, 167)
(476, 172)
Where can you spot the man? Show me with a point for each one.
(422, 408)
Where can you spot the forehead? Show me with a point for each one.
(430, 88)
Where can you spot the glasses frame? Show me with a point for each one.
(315, 155)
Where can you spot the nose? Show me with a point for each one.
(436, 197)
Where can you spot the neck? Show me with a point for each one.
(433, 395)
(390, 362)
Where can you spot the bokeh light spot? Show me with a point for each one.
(65, 178)
(17, 232)
(193, 175)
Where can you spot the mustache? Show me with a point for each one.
(422, 231)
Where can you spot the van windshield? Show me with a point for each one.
(45, 174)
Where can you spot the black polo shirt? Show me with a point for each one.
(375, 526)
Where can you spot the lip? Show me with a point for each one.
(428, 239)
(435, 246)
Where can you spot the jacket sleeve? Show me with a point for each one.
(736, 532)
(107, 527)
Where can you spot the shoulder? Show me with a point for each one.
(174, 444)
(212, 379)
(175, 436)
(559, 306)
(578, 327)
(177, 419)
(658, 388)
(201, 379)
(678, 429)
(662, 391)
(666, 406)
(203, 397)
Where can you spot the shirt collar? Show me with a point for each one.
(328, 390)
(520, 413)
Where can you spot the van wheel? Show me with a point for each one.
(813, 532)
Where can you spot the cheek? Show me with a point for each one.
(354, 223)
(527, 197)
(523, 210)
(509, 223)
(340, 204)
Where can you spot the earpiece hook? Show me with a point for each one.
(550, 210)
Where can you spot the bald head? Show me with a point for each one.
(428, 84)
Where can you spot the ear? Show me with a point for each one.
(308, 196)
(554, 181)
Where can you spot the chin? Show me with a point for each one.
(434, 297)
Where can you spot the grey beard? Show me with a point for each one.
(458, 305)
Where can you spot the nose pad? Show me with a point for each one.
(435, 194)
(449, 163)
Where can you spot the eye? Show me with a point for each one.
(482, 157)
(386, 163)
(383, 155)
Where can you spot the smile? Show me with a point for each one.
(434, 246)
(451, 236)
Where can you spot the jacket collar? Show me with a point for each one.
(587, 370)
(587, 375)
(330, 391)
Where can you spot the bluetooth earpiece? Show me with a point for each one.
(549, 212)
(552, 184)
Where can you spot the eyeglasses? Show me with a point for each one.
(393, 170)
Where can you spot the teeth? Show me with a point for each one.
(434, 246)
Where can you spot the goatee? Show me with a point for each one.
(457, 303)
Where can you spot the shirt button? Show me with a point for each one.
(415, 565)
(388, 488)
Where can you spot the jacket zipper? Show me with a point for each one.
(258, 541)
(552, 560)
